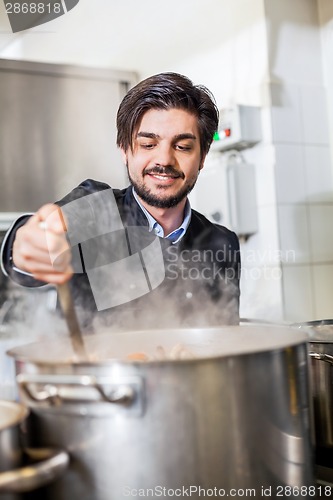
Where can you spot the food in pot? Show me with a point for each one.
(178, 351)
(137, 356)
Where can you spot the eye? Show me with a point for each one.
(147, 145)
(183, 147)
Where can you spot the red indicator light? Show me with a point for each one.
(227, 132)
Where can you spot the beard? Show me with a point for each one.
(160, 201)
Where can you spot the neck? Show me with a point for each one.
(169, 218)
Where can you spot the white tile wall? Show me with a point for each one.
(286, 114)
(261, 293)
(266, 119)
(314, 117)
(293, 170)
(294, 234)
(325, 8)
(318, 174)
(303, 168)
(261, 284)
(289, 174)
(323, 291)
(265, 184)
(321, 232)
(263, 157)
(297, 293)
(262, 247)
(295, 49)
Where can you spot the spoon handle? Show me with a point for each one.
(67, 306)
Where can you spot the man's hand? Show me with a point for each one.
(41, 248)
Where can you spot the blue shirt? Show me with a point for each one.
(176, 235)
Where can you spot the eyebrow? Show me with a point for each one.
(178, 137)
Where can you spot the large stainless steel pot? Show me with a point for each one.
(321, 352)
(13, 478)
(234, 417)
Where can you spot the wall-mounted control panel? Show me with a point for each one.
(239, 128)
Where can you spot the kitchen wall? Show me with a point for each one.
(325, 10)
(272, 53)
(287, 265)
(302, 142)
(303, 171)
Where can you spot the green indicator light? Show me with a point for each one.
(216, 136)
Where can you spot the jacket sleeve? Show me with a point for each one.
(23, 278)
(8, 268)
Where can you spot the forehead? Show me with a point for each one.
(168, 122)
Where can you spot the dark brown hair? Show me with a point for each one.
(165, 91)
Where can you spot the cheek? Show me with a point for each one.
(139, 161)
(192, 168)
(135, 165)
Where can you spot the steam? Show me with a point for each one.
(133, 280)
(31, 314)
(35, 314)
(188, 297)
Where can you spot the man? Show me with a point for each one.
(140, 256)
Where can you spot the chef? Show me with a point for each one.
(140, 256)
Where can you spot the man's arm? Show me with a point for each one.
(10, 258)
(6, 257)
(36, 251)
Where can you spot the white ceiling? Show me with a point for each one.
(131, 34)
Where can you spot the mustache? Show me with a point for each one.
(167, 170)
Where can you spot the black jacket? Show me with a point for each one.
(200, 285)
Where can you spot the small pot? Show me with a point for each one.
(15, 479)
(321, 352)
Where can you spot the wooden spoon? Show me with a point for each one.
(67, 306)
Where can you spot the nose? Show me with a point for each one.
(164, 155)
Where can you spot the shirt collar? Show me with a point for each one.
(176, 235)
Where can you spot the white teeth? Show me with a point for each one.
(162, 177)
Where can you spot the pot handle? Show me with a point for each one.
(322, 357)
(51, 464)
(63, 388)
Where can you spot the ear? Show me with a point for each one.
(202, 161)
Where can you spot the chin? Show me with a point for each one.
(159, 201)
(161, 196)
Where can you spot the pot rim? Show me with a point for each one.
(17, 414)
(302, 337)
(313, 328)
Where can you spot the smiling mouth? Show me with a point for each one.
(164, 174)
(163, 177)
